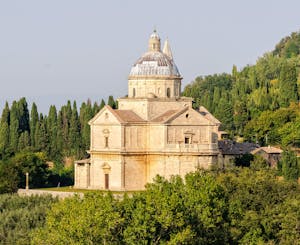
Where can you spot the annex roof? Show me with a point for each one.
(230, 147)
(268, 149)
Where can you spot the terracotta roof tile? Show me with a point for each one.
(128, 116)
(268, 149)
(164, 116)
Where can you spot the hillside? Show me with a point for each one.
(260, 102)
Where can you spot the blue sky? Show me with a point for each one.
(52, 51)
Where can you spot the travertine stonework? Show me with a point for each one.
(153, 132)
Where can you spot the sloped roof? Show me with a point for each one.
(229, 147)
(172, 114)
(123, 116)
(128, 116)
(106, 107)
(268, 149)
(204, 112)
(163, 117)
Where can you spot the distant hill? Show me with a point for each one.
(260, 102)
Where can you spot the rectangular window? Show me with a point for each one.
(106, 141)
(187, 140)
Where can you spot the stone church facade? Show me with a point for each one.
(153, 132)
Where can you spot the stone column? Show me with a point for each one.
(27, 181)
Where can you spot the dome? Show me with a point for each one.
(154, 64)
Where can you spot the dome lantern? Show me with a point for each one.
(154, 42)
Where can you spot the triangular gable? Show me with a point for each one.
(189, 116)
(106, 116)
(174, 116)
(203, 111)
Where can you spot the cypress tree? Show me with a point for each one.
(23, 115)
(216, 99)
(288, 84)
(289, 165)
(4, 130)
(224, 113)
(34, 118)
(96, 108)
(41, 137)
(14, 127)
(74, 132)
(52, 132)
(65, 114)
(86, 114)
(68, 110)
(4, 138)
(102, 104)
(5, 117)
(111, 102)
(59, 138)
(240, 115)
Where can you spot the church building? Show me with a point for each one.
(154, 131)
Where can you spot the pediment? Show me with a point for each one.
(105, 116)
(189, 117)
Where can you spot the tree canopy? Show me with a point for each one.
(251, 99)
(239, 206)
(28, 139)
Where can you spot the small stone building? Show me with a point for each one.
(153, 132)
(230, 150)
(271, 154)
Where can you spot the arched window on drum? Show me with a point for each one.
(168, 92)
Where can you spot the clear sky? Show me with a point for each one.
(55, 50)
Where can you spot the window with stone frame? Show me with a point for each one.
(106, 141)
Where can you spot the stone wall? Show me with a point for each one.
(59, 194)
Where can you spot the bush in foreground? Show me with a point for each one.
(20, 215)
(241, 206)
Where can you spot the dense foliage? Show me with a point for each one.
(12, 171)
(59, 134)
(259, 102)
(28, 140)
(240, 206)
(289, 166)
(20, 215)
